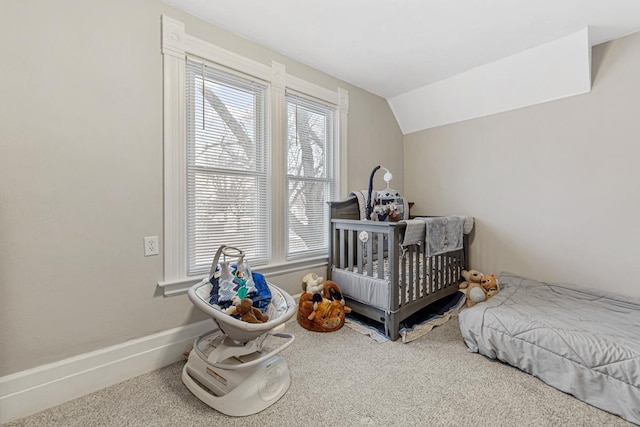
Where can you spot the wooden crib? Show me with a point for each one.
(381, 279)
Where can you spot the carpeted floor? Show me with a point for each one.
(344, 378)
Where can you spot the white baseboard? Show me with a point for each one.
(27, 392)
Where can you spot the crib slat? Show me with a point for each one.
(370, 256)
(334, 245)
(432, 273)
(342, 248)
(394, 277)
(425, 271)
(411, 282)
(445, 271)
(359, 255)
(441, 274)
(380, 255)
(350, 250)
(406, 258)
(404, 295)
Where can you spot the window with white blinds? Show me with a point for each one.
(252, 154)
(310, 175)
(226, 142)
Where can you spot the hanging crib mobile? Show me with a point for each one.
(388, 204)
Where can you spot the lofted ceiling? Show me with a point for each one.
(390, 47)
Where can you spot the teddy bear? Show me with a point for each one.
(479, 292)
(490, 285)
(474, 290)
(470, 276)
(246, 310)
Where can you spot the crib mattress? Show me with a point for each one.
(578, 340)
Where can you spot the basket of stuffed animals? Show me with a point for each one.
(322, 307)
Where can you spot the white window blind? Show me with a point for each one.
(310, 176)
(226, 165)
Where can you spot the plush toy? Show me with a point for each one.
(332, 292)
(475, 294)
(246, 310)
(327, 315)
(395, 212)
(479, 292)
(314, 285)
(474, 291)
(470, 276)
(490, 285)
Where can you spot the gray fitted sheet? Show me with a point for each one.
(579, 340)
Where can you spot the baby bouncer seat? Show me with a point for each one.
(230, 368)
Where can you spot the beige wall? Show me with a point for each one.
(554, 188)
(81, 172)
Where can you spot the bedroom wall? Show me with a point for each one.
(81, 172)
(553, 187)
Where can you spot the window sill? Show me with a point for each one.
(181, 286)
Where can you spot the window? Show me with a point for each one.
(310, 182)
(226, 166)
(251, 156)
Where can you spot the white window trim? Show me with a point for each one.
(176, 45)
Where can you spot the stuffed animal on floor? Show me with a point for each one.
(247, 312)
(332, 292)
(326, 315)
(314, 285)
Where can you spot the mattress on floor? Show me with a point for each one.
(579, 340)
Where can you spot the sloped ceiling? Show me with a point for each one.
(392, 47)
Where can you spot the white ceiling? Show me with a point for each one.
(389, 47)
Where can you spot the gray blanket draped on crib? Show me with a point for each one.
(439, 234)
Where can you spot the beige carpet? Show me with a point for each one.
(344, 378)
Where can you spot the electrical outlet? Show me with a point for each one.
(151, 246)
